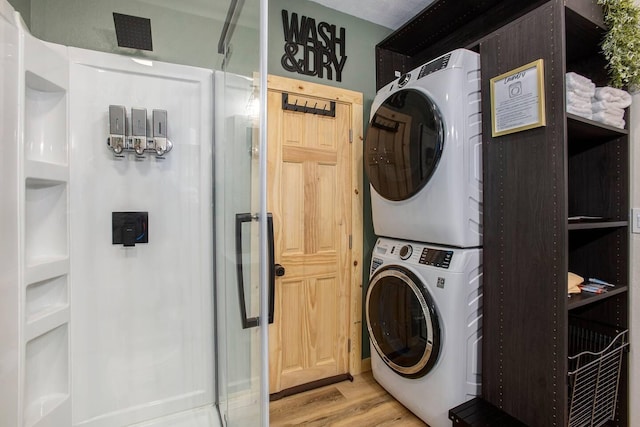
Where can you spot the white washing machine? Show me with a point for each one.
(424, 153)
(424, 314)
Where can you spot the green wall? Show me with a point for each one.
(178, 36)
(185, 35)
(24, 7)
(361, 38)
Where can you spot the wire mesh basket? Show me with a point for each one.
(594, 372)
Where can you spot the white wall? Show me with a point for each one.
(142, 331)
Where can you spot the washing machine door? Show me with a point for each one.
(402, 320)
(404, 144)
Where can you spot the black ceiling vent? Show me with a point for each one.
(133, 31)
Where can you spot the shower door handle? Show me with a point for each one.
(272, 266)
(251, 322)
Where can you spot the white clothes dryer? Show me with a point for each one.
(423, 153)
(424, 313)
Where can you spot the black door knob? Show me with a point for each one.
(279, 270)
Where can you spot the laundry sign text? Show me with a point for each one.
(517, 99)
(313, 49)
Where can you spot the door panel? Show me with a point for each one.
(310, 196)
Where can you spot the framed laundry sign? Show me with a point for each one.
(517, 99)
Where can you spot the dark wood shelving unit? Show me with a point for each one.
(533, 181)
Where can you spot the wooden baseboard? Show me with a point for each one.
(365, 365)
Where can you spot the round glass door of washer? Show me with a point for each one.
(402, 321)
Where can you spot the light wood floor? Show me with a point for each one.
(362, 402)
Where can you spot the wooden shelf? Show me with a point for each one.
(585, 298)
(590, 14)
(592, 225)
(579, 128)
(584, 29)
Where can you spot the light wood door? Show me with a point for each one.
(310, 195)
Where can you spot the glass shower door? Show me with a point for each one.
(243, 238)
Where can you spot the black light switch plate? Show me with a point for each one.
(129, 228)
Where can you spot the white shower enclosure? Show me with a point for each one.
(148, 332)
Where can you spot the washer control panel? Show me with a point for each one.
(405, 252)
(420, 254)
(375, 263)
(404, 79)
(436, 257)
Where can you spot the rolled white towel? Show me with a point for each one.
(578, 101)
(613, 95)
(603, 106)
(607, 104)
(581, 92)
(580, 112)
(608, 119)
(579, 83)
(578, 78)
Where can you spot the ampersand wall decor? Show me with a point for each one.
(313, 49)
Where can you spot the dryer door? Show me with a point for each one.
(402, 320)
(404, 144)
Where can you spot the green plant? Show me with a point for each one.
(621, 44)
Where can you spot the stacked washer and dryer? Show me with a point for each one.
(424, 300)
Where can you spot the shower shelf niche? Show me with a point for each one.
(46, 230)
(46, 270)
(45, 298)
(44, 238)
(46, 322)
(46, 392)
(45, 133)
(48, 172)
(48, 411)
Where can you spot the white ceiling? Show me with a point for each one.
(388, 13)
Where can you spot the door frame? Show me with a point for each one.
(285, 84)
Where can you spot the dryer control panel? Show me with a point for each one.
(435, 65)
(436, 257)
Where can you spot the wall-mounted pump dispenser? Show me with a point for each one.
(139, 130)
(118, 141)
(117, 128)
(160, 132)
